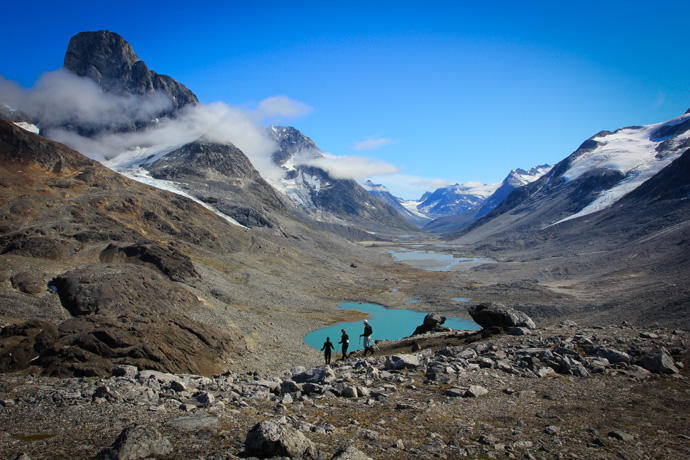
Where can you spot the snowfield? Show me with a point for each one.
(631, 151)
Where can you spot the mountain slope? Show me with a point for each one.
(516, 178)
(408, 212)
(600, 172)
(576, 231)
(116, 271)
(324, 199)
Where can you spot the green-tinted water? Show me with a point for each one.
(388, 324)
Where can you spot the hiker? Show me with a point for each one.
(367, 338)
(345, 340)
(327, 347)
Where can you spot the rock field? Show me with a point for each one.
(564, 391)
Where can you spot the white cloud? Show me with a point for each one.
(409, 187)
(277, 107)
(351, 167)
(61, 98)
(372, 143)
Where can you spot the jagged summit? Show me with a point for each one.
(109, 60)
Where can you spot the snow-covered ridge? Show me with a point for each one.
(27, 126)
(522, 177)
(632, 151)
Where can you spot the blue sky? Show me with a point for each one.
(441, 92)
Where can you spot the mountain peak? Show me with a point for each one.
(103, 56)
(109, 60)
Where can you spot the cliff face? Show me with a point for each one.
(106, 58)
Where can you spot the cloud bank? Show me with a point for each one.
(350, 167)
(61, 98)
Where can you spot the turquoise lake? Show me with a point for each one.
(388, 324)
(435, 260)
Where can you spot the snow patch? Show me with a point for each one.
(143, 176)
(27, 126)
(631, 151)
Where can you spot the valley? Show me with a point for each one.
(160, 270)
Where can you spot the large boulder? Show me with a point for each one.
(403, 361)
(489, 315)
(432, 323)
(316, 375)
(135, 442)
(271, 439)
(349, 452)
(659, 361)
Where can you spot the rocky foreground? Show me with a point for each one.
(559, 392)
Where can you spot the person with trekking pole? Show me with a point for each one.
(367, 337)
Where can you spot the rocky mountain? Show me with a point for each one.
(214, 170)
(516, 178)
(408, 212)
(454, 199)
(607, 226)
(337, 203)
(604, 169)
(99, 269)
(107, 59)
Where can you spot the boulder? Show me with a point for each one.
(349, 452)
(432, 323)
(317, 375)
(403, 361)
(613, 356)
(475, 391)
(659, 361)
(489, 315)
(135, 442)
(270, 439)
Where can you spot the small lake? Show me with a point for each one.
(436, 260)
(388, 324)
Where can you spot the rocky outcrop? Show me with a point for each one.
(169, 261)
(120, 289)
(92, 345)
(106, 58)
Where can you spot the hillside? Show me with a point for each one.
(86, 250)
(607, 227)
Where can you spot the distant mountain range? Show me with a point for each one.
(605, 169)
(448, 209)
